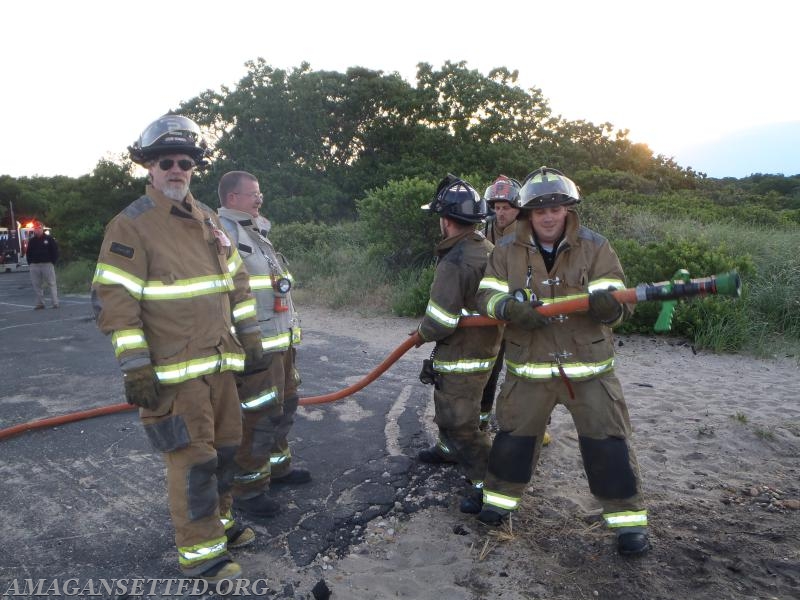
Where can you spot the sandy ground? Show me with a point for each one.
(717, 438)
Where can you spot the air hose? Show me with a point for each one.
(727, 284)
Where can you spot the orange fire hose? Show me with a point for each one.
(727, 284)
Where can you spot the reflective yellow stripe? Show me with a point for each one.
(297, 335)
(438, 314)
(250, 477)
(259, 401)
(127, 339)
(491, 306)
(629, 518)
(260, 282)
(491, 283)
(244, 310)
(183, 371)
(108, 275)
(187, 288)
(227, 520)
(234, 262)
(278, 342)
(500, 500)
(602, 284)
(281, 457)
(466, 365)
(188, 555)
(548, 370)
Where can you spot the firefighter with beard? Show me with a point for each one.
(566, 360)
(269, 398)
(462, 358)
(170, 288)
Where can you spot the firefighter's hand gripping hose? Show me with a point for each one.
(725, 284)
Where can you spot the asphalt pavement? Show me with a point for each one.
(86, 500)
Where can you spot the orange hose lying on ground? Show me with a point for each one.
(115, 408)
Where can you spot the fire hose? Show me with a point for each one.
(668, 292)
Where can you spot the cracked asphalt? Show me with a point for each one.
(87, 499)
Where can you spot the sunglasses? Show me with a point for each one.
(185, 164)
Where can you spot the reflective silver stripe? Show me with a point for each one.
(200, 552)
(278, 342)
(440, 315)
(261, 400)
(548, 370)
(500, 500)
(187, 288)
(108, 275)
(244, 309)
(200, 366)
(602, 284)
(227, 520)
(490, 283)
(469, 313)
(626, 519)
(128, 339)
(473, 365)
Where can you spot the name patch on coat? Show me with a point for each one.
(121, 249)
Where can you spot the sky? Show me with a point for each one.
(80, 80)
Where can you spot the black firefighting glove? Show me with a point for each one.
(255, 359)
(141, 387)
(524, 315)
(603, 307)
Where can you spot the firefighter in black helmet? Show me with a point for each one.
(560, 360)
(171, 290)
(462, 358)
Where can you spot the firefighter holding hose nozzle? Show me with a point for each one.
(565, 359)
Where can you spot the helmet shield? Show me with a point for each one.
(504, 189)
(547, 187)
(170, 134)
(457, 200)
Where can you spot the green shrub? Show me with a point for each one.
(75, 277)
(411, 291)
(399, 232)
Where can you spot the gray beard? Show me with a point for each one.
(176, 192)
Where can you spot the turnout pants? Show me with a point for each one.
(603, 425)
(458, 404)
(198, 426)
(269, 402)
(43, 274)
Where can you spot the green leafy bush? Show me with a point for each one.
(412, 291)
(398, 231)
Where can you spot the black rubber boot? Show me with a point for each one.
(472, 502)
(434, 456)
(490, 516)
(632, 543)
(258, 506)
(293, 477)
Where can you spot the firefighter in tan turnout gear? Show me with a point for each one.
(567, 359)
(462, 359)
(269, 397)
(169, 287)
